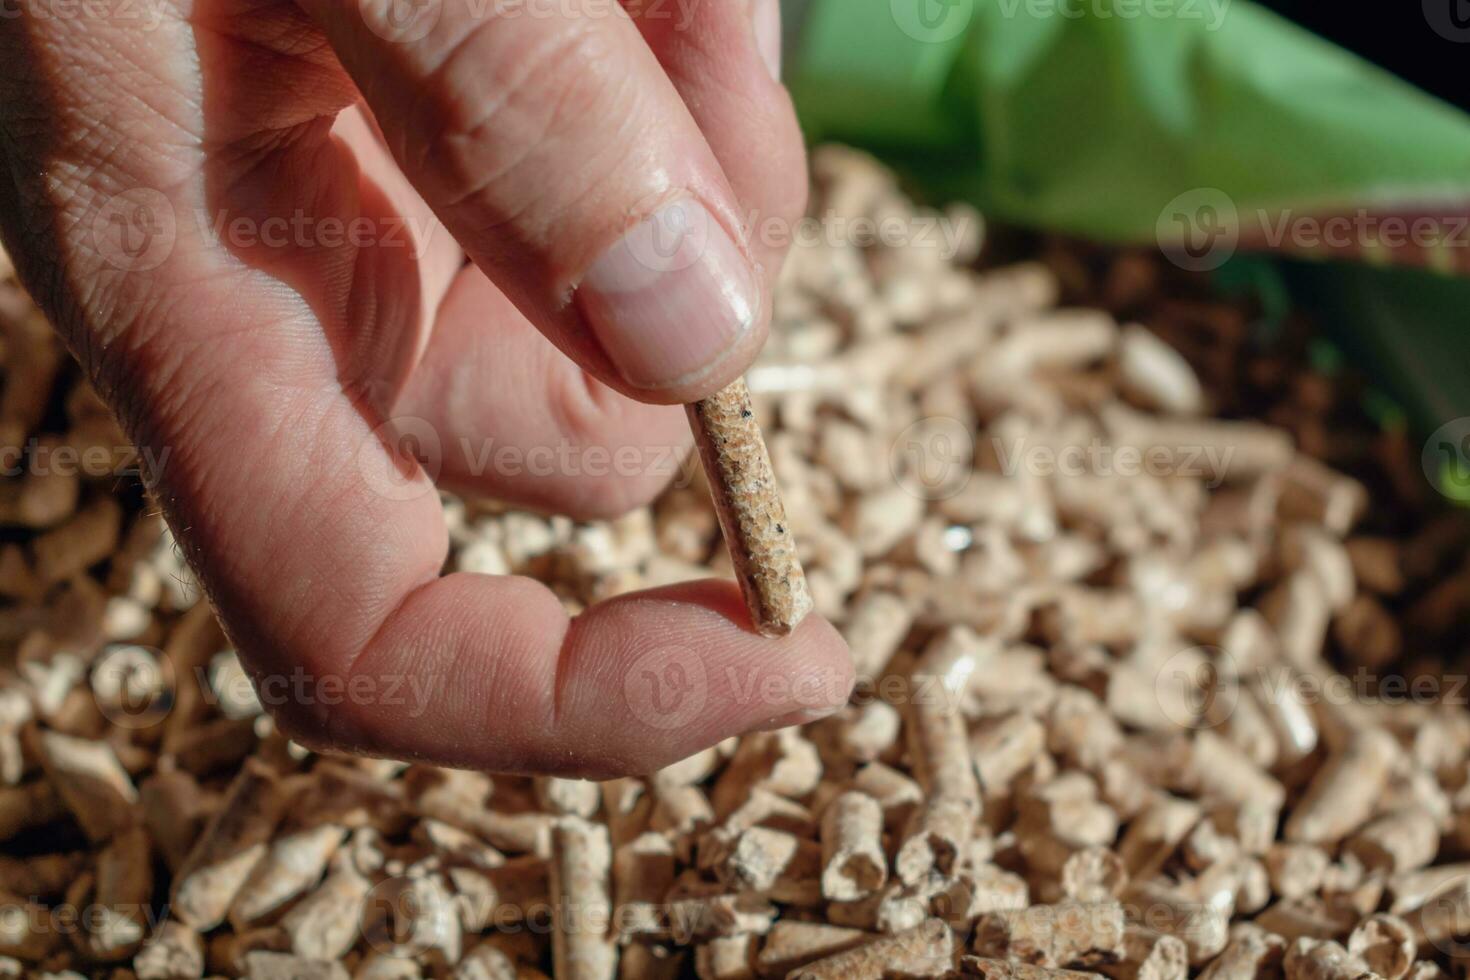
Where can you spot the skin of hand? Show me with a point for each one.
(331, 253)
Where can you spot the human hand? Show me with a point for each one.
(265, 279)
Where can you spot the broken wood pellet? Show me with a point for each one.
(1296, 870)
(1412, 889)
(294, 863)
(89, 779)
(1203, 926)
(726, 958)
(1150, 955)
(229, 848)
(748, 503)
(175, 952)
(926, 950)
(791, 944)
(766, 860)
(853, 862)
(1403, 839)
(990, 969)
(1250, 953)
(1386, 944)
(1322, 959)
(1068, 934)
(683, 920)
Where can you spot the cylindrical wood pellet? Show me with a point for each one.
(853, 862)
(581, 869)
(925, 950)
(752, 517)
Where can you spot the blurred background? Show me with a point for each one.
(1308, 154)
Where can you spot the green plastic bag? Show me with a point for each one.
(1210, 127)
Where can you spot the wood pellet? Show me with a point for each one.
(1139, 605)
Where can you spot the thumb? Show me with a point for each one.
(554, 147)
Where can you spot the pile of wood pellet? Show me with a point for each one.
(1159, 635)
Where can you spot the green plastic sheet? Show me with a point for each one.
(1152, 121)
(1091, 116)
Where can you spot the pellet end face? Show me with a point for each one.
(752, 517)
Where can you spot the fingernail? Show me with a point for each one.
(767, 14)
(670, 299)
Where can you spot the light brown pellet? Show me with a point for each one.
(943, 824)
(1252, 952)
(752, 516)
(1149, 955)
(229, 848)
(175, 952)
(1202, 925)
(1344, 792)
(1310, 917)
(1068, 934)
(1402, 839)
(876, 625)
(926, 950)
(1412, 889)
(1153, 836)
(326, 923)
(581, 866)
(89, 779)
(792, 944)
(1321, 959)
(725, 958)
(294, 863)
(1296, 870)
(853, 862)
(1386, 944)
(991, 969)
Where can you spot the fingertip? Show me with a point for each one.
(662, 674)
